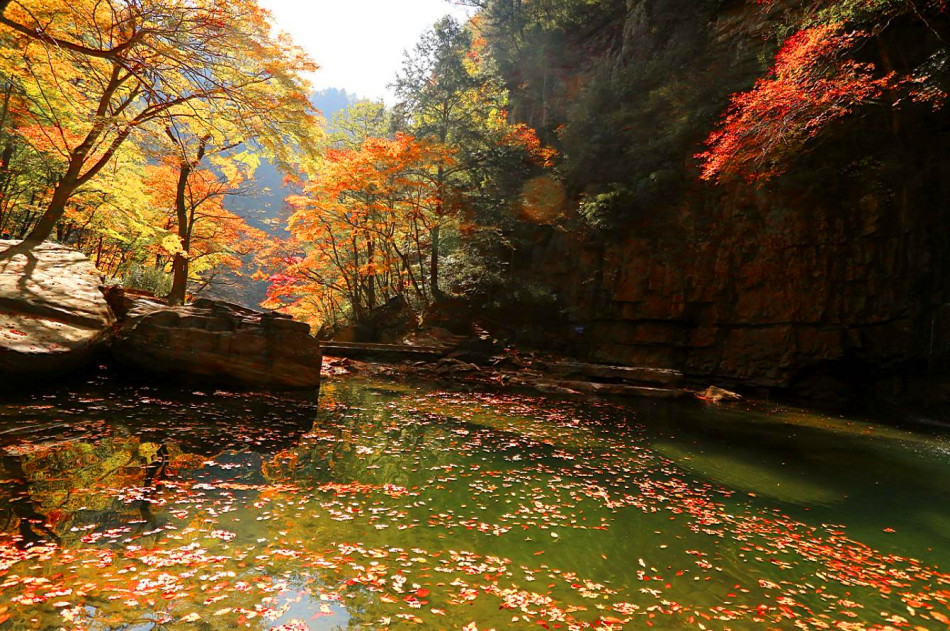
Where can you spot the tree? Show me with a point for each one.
(204, 233)
(99, 72)
(357, 122)
(450, 94)
(432, 88)
(362, 223)
(820, 76)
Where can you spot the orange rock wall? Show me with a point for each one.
(758, 293)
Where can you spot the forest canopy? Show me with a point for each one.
(128, 125)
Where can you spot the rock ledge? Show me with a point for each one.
(221, 341)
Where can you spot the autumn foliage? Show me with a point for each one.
(362, 229)
(400, 194)
(815, 81)
(97, 92)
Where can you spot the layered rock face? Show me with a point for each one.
(835, 273)
(761, 294)
(220, 341)
(53, 316)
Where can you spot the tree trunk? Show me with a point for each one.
(434, 232)
(179, 280)
(371, 277)
(434, 263)
(99, 253)
(180, 263)
(5, 179)
(186, 222)
(54, 212)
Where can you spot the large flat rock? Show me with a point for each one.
(220, 341)
(52, 314)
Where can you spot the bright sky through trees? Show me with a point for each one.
(359, 43)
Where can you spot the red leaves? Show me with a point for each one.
(525, 137)
(812, 84)
(567, 474)
(939, 617)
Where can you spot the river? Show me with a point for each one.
(401, 505)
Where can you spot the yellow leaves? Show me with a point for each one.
(249, 160)
(171, 245)
(231, 172)
(81, 100)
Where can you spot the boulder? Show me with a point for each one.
(123, 299)
(717, 395)
(216, 340)
(53, 316)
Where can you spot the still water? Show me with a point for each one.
(386, 505)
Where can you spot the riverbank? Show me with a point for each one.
(527, 372)
(57, 316)
(529, 376)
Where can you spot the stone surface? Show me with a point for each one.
(759, 291)
(631, 375)
(714, 394)
(53, 316)
(219, 341)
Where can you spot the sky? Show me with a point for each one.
(358, 44)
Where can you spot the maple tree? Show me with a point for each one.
(96, 74)
(24, 172)
(200, 231)
(816, 80)
(363, 223)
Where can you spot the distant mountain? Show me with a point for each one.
(332, 100)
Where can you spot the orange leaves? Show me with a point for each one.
(363, 222)
(48, 138)
(218, 238)
(939, 617)
(525, 137)
(379, 167)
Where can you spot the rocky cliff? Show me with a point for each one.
(837, 273)
(760, 294)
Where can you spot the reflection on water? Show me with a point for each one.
(399, 506)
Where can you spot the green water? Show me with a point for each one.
(384, 505)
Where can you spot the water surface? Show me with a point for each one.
(402, 506)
